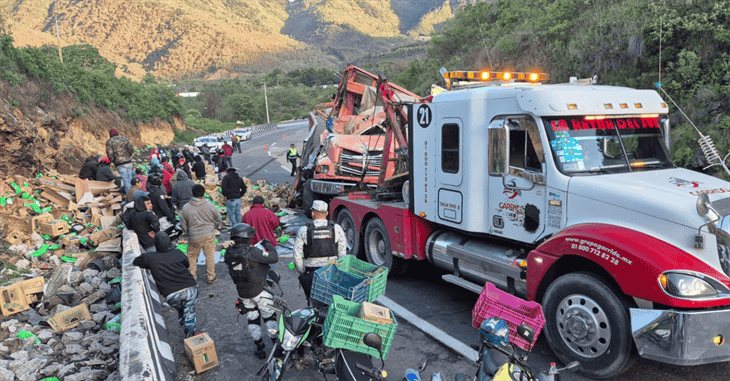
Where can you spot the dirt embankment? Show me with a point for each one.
(41, 131)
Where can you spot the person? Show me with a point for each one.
(141, 178)
(155, 153)
(199, 168)
(161, 204)
(165, 162)
(317, 243)
(167, 173)
(89, 168)
(222, 163)
(292, 156)
(199, 219)
(182, 190)
(185, 166)
(144, 223)
(188, 154)
(104, 173)
(248, 266)
(233, 188)
(228, 153)
(169, 268)
(119, 150)
(205, 151)
(237, 140)
(136, 191)
(263, 220)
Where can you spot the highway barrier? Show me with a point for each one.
(144, 352)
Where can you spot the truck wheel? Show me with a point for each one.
(587, 321)
(345, 220)
(377, 247)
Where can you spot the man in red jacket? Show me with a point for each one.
(263, 220)
(228, 153)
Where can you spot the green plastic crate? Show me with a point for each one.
(378, 274)
(344, 329)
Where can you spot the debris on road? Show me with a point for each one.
(57, 278)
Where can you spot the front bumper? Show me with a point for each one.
(682, 337)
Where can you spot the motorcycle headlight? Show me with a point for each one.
(686, 285)
(290, 341)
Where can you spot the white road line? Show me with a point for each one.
(285, 168)
(455, 345)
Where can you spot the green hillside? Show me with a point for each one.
(617, 40)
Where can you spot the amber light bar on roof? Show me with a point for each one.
(484, 76)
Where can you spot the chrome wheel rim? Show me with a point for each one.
(376, 247)
(583, 325)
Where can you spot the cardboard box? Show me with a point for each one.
(54, 228)
(33, 285)
(37, 221)
(69, 318)
(375, 313)
(12, 300)
(101, 236)
(200, 351)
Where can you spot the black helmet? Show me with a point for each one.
(154, 179)
(242, 231)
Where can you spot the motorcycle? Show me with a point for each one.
(501, 360)
(299, 330)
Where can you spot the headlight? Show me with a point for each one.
(290, 341)
(686, 286)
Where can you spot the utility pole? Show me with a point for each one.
(266, 101)
(58, 40)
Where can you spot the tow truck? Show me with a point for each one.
(561, 193)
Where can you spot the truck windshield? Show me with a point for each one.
(598, 144)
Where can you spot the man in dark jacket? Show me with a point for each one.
(104, 173)
(199, 168)
(182, 190)
(120, 150)
(161, 203)
(233, 189)
(145, 223)
(248, 266)
(169, 268)
(88, 170)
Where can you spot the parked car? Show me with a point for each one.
(212, 142)
(244, 133)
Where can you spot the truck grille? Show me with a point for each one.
(354, 163)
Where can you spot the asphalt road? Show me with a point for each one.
(421, 291)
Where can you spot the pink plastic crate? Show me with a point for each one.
(494, 302)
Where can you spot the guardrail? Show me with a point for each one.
(263, 127)
(144, 353)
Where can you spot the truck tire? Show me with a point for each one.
(377, 247)
(586, 321)
(345, 220)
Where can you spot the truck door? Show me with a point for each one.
(516, 164)
(450, 198)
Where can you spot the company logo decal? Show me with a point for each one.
(512, 193)
(682, 183)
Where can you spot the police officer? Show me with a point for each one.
(318, 242)
(292, 156)
(248, 266)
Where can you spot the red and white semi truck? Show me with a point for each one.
(563, 194)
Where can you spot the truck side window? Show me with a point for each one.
(525, 149)
(450, 148)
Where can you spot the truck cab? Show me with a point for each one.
(564, 194)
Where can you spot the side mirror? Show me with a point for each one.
(703, 204)
(373, 340)
(666, 130)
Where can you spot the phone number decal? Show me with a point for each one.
(606, 253)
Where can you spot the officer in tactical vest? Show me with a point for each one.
(318, 242)
(248, 266)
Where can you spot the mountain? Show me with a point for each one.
(213, 38)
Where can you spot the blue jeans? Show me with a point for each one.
(127, 173)
(233, 207)
(184, 302)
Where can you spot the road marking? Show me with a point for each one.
(451, 342)
(285, 168)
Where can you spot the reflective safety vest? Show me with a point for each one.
(292, 153)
